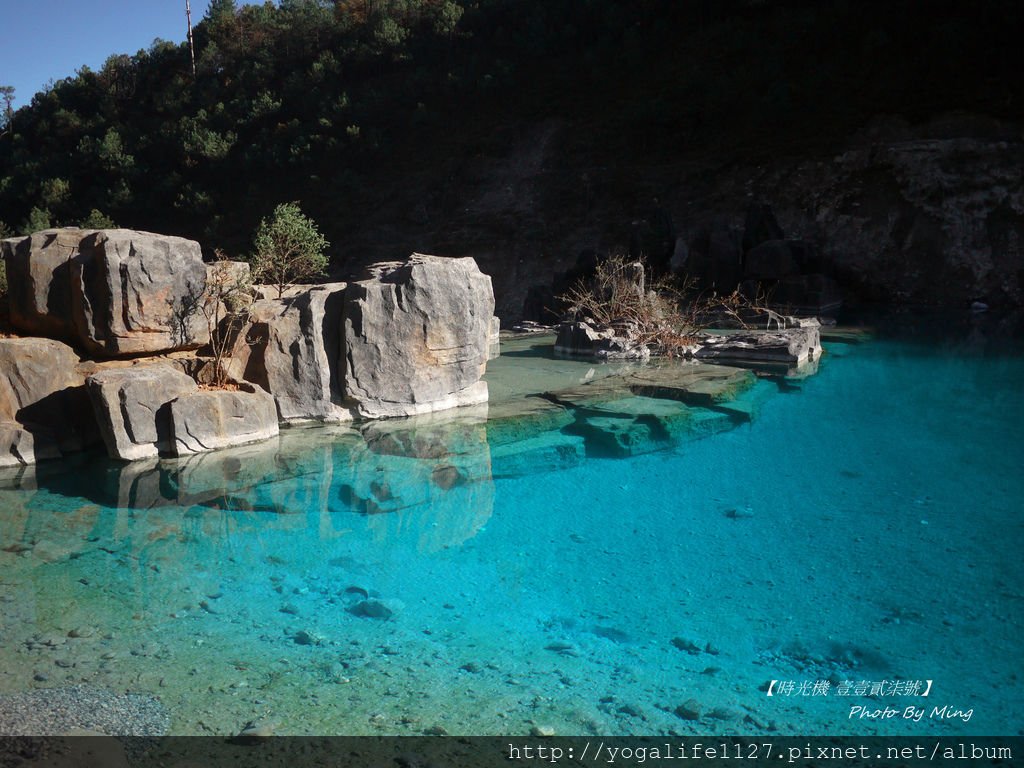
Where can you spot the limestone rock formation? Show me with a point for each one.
(586, 339)
(136, 292)
(291, 348)
(415, 337)
(41, 401)
(114, 292)
(18, 446)
(132, 407)
(204, 420)
(789, 346)
(39, 280)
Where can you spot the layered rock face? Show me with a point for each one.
(43, 408)
(415, 337)
(113, 292)
(586, 339)
(290, 347)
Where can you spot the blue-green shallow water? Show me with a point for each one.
(865, 526)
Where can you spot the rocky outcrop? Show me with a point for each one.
(790, 346)
(136, 292)
(602, 342)
(39, 281)
(415, 337)
(132, 407)
(43, 407)
(494, 339)
(942, 220)
(113, 292)
(291, 348)
(205, 420)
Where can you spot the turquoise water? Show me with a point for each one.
(864, 526)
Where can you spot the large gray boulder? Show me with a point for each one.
(113, 292)
(132, 407)
(39, 280)
(205, 420)
(291, 348)
(137, 292)
(43, 406)
(415, 337)
(19, 446)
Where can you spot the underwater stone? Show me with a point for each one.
(372, 609)
(689, 710)
(686, 645)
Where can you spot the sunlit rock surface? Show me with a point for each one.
(208, 419)
(43, 406)
(290, 347)
(416, 337)
(132, 406)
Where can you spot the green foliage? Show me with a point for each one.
(313, 98)
(288, 248)
(38, 220)
(200, 141)
(389, 33)
(97, 220)
(447, 18)
(6, 112)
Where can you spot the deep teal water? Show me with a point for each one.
(865, 527)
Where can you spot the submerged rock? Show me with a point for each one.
(690, 710)
(371, 609)
(416, 337)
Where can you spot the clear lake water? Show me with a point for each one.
(858, 535)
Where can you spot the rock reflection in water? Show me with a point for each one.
(423, 482)
(428, 477)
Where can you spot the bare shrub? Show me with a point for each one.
(225, 307)
(666, 315)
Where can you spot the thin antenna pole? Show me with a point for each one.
(191, 45)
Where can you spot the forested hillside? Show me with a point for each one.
(358, 107)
